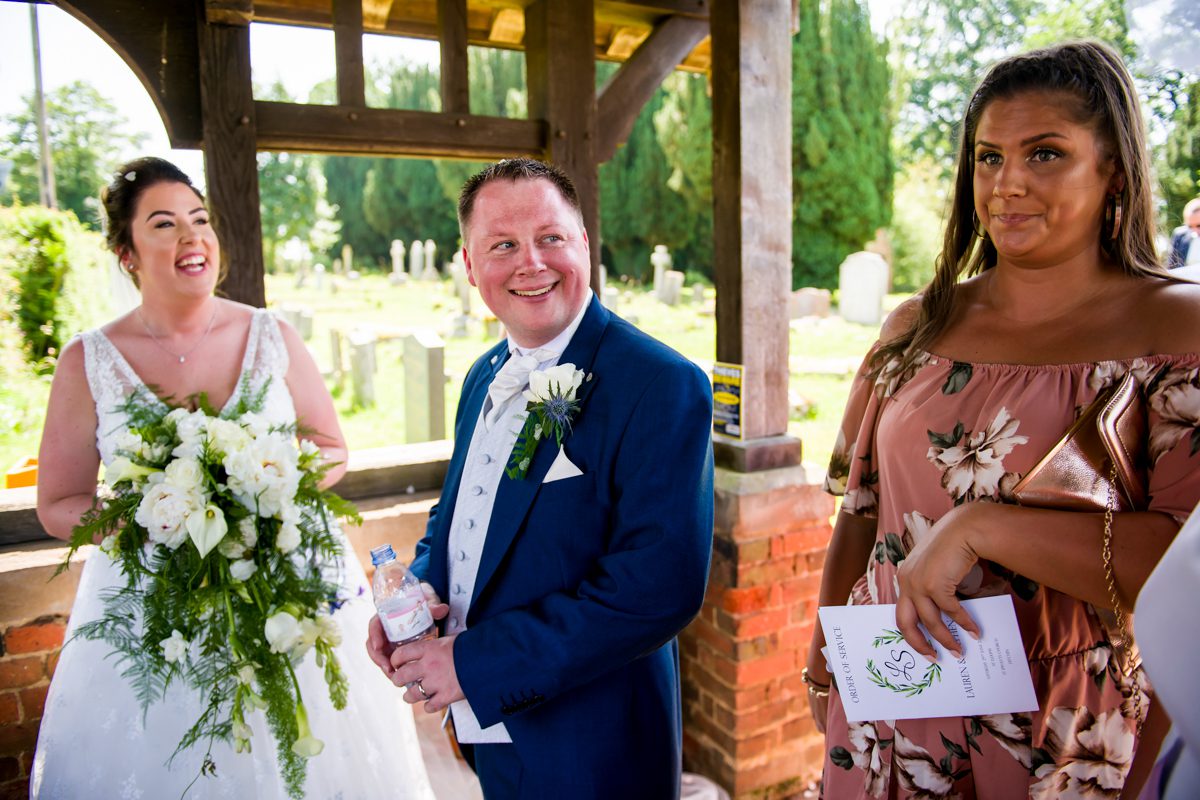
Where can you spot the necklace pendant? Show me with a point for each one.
(182, 359)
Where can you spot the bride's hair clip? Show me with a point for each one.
(130, 176)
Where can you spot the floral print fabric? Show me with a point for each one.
(913, 445)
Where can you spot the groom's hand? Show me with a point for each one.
(426, 667)
(378, 646)
(437, 608)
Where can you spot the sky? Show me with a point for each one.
(300, 58)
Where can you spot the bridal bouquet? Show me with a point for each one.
(224, 540)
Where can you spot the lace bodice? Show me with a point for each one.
(111, 379)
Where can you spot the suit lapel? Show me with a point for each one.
(515, 497)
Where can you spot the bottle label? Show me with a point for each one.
(405, 618)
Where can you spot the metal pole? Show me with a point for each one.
(46, 191)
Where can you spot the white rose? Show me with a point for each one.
(174, 648)
(130, 443)
(309, 448)
(282, 631)
(255, 424)
(248, 528)
(156, 452)
(227, 436)
(164, 510)
(264, 476)
(243, 569)
(177, 415)
(288, 538)
(186, 473)
(561, 380)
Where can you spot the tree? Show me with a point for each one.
(87, 142)
(683, 125)
(288, 189)
(1181, 174)
(841, 165)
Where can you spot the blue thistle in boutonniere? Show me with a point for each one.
(552, 406)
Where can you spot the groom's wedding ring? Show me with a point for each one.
(421, 689)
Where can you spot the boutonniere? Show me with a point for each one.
(551, 407)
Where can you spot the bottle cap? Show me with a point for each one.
(382, 555)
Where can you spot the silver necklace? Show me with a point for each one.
(181, 356)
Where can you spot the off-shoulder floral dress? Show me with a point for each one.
(914, 445)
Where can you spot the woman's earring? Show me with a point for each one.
(129, 267)
(1112, 214)
(980, 233)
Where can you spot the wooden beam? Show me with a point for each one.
(752, 203)
(230, 165)
(452, 34)
(347, 43)
(697, 9)
(623, 97)
(508, 26)
(386, 131)
(624, 40)
(560, 73)
(375, 14)
(229, 12)
(159, 45)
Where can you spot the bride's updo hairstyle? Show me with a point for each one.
(119, 199)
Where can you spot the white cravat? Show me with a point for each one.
(511, 379)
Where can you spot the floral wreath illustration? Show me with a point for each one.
(901, 663)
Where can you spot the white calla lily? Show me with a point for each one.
(207, 527)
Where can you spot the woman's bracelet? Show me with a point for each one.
(815, 687)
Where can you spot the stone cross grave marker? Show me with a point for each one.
(416, 259)
(660, 259)
(347, 258)
(431, 270)
(397, 275)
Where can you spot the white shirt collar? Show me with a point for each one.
(559, 343)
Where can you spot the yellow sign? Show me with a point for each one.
(727, 399)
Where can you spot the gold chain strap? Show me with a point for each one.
(1123, 640)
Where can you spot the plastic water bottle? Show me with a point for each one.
(401, 602)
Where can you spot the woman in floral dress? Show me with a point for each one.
(1046, 292)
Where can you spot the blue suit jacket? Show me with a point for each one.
(584, 582)
(1181, 240)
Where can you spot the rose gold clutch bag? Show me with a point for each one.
(1100, 465)
(1110, 437)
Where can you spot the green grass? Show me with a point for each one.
(372, 303)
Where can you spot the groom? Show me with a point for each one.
(565, 587)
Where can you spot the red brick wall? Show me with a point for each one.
(746, 720)
(28, 655)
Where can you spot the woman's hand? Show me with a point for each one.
(929, 577)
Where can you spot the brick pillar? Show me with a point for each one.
(746, 719)
(28, 655)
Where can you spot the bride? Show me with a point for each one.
(181, 341)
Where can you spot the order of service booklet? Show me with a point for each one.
(879, 676)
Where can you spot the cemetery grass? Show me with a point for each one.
(824, 353)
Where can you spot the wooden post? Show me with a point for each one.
(452, 34)
(347, 44)
(230, 166)
(752, 234)
(560, 66)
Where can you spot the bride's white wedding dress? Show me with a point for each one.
(94, 740)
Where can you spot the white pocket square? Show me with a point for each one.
(561, 468)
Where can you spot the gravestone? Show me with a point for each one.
(671, 287)
(603, 281)
(300, 318)
(319, 271)
(362, 368)
(698, 294)
(424, 386)
(431, 270)
(337, 266)
(347, 258)
(462, 286)
(337, 357)
(862, 283)
(416, 260)
(660, 259)
(809, 302)
(610, 297)
(397, 276)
